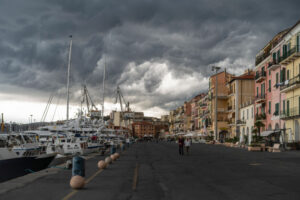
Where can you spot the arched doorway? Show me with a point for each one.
(250, 136)
(242, 136)
(269, 127)
(276, 126)
(296, 131)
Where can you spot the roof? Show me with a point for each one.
(246, 76)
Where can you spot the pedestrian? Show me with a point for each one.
(187, 144)
(127, 142)
(180, 145)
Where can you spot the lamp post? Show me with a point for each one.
(216, 69)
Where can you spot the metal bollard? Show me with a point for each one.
(112, 149)
(78, 166)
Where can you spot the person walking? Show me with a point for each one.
(187, 144)
(180, 145)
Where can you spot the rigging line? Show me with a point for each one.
(49, 106)
(58, 100)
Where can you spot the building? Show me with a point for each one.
(141, 129)
(187, 117)
(268, 76)
(247, 122)
(222, 98)
(125, 119)
(204, 116)
(241, 91)
(290, 58)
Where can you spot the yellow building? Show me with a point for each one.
(241, 91)
(222, 97)
(290, 57)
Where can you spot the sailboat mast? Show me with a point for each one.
(103, 89)
(68, 78)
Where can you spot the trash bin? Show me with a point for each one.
(78, 166)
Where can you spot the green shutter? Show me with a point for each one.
(277, 78)
(269, 85)
(274, 57)
(283, 106)
(288, 107)
(269, 107)
(256, 91)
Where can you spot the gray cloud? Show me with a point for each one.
(188, 36)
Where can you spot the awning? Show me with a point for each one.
(267, 133)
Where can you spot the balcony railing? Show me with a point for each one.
(290, 55)
(259, 76)
(260, 98)
(290, 113)
(260, 58)
(274, 64)
(291, 83)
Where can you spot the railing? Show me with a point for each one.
(260, 74)
(260, 58)
(274, 62)
(260, 97)
(290, 113)
(289, 53)
(241, 122)
(290, 82)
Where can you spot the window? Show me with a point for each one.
(277, 78)
(262, 90)
(269, 107)
(270, 86)
(288, 107)
(276, 109)
(274, 57)
(247, 113)
(256, 91)
(243, 114)
(283, 106)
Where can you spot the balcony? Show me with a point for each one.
(261, 58)
(273, 65)
(291, 113)
(230, 109)
(260, 98)
(260, 76)
(290, 84)
(241, 122)
(290, 56)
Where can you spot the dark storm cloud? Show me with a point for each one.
(187, 36)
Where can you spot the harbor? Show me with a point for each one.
(149, 100)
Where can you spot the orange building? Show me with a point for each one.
(140, 129)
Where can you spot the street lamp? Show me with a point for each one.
(216, 69)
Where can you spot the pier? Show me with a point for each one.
(150, 170)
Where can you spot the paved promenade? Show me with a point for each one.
(155, 171)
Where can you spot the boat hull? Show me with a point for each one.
(16, 167)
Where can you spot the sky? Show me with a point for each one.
(159, 52)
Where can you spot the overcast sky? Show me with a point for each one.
(158, 51)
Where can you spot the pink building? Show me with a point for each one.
(277, 101)
(269, 74)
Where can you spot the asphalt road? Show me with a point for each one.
(156, 171)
